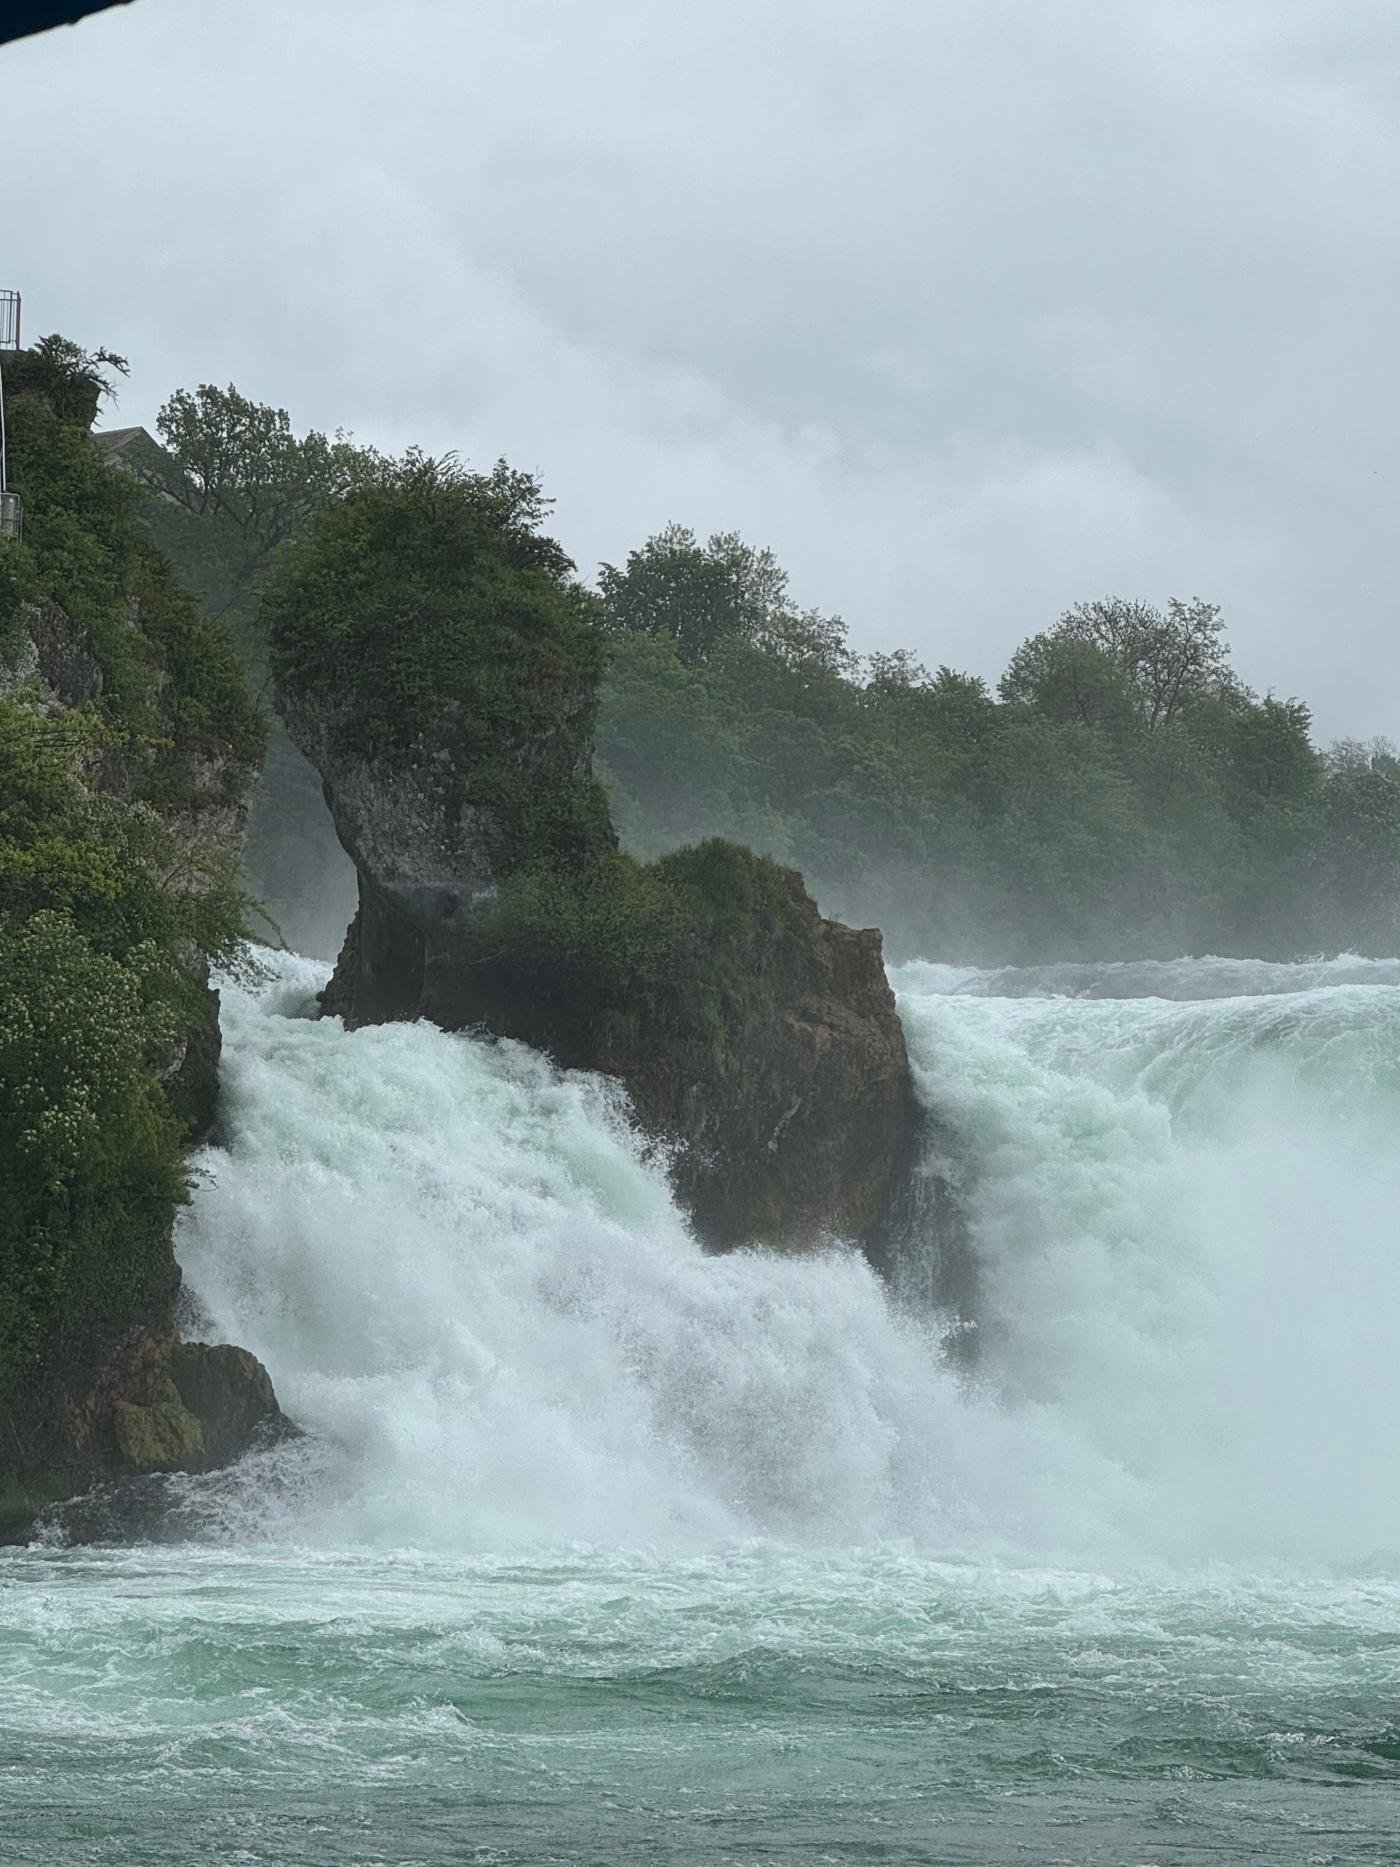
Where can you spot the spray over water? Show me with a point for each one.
(484, 1304)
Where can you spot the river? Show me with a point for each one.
(602, 1550)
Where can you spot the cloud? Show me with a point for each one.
(970, 311)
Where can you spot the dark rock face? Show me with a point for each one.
(801, 1125)
(196, 1408)
(784, 1094)
(152, 1409)
(426, 855)
(160, 1415)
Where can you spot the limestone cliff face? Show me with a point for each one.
(427, 854)
(772, 1065)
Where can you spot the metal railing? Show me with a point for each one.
(11, 512)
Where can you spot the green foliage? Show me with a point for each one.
(586, 938)
(1357, 861)
(427, 605)
(110, 894)
(90, 1149)
(1072, 682)
(71, 380)
(119, 870)
(233, 483)
(170, 678)
(206, 707)
(703, 597)
(1125, 795)
(666, 948)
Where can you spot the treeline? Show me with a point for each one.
(1122, 791)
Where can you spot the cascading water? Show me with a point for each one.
(1181, 1212)
(601, 1549)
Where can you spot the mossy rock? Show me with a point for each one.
(229, 1393)
(160, 1435)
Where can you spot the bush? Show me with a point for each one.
(120, 874)
(90, 1164)
(428, 604)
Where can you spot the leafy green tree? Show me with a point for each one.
(704, 596)
(427, 600)
(1125, 794)
(90, 1157)
(1072, 681)
(1169, 659)
(233, 482)
(240, 461)
(1357, 863)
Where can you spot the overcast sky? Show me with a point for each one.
(969, 308)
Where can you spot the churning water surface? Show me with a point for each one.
(602, 1550)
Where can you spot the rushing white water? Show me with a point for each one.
(486, 1308)
(602, 1551)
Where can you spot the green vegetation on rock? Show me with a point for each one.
(128, 740)
(438, 663)
(426, 610)
(658, 947)
(90, 1153)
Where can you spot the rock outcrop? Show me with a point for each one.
(427, 853)
(786, 1082)
(772, 1066)
(163, 736)
(437, 662)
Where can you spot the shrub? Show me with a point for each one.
(89, 1149)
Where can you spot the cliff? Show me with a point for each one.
(438, 665)
(128, 742)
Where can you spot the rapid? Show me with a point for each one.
(600, 1549)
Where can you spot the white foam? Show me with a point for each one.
(468, 1284)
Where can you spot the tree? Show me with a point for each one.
(704, 596)
(71, 380)
(427, 601)
(899, 672)
(1169, 659)
(1071, 680)
(238, 465)
(1358, 858)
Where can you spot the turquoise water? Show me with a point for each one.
(764, 1704)
(601, 1550)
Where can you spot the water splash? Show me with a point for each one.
(483, 1302)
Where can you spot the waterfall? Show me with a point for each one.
(1179, 1193)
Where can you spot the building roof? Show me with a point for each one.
(117, 440)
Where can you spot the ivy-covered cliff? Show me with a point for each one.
(128, 744)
